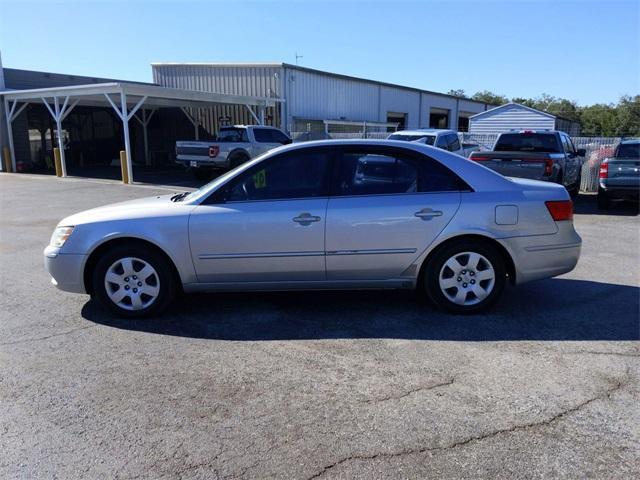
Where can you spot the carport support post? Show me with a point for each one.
(7, 112)
(58, 118)
(125, 129)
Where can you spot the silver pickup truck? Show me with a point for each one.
(545, 155)
(233, 146)
(619, 176)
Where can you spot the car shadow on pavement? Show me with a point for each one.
(588, 205)
(555, 309)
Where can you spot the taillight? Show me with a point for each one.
(480, 159)
(560, 210)
(213, 151)
(548, 167)
(604, 170)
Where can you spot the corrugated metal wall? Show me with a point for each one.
(262, 81)
(323, 97)
(510, 117)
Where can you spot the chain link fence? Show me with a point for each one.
(597, 148)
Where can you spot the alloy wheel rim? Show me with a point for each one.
(132, 283)
(467, 278)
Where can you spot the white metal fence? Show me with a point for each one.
(597, 148)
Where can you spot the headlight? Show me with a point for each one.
(60, 236)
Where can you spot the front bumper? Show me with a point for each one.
(544, 256)
(66, 270)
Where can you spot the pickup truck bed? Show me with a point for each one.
(537, 155)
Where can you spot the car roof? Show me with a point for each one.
(630, 142)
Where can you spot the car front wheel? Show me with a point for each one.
(465, 277)
(133, 281)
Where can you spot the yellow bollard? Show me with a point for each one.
(58, 161)
(7, 160)
(123, 166)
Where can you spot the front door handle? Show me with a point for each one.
(306, 219)
(428, 213)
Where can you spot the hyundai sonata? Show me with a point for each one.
(333, 214)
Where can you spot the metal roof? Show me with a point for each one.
(313, 70)
(156, 95)
(511, 104)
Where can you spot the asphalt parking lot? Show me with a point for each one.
(316, 385)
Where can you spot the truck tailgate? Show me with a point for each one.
(536, 166)
(623, 172)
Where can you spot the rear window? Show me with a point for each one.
(232, 135)
(629, 150)
(528, 142)
(429, 139)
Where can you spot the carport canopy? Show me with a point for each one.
(129, 100)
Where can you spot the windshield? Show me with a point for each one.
(429, 139)
(232, 135)
(629, 150)
(527, 142)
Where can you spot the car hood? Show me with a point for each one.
(148, 207)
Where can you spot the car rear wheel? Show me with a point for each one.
(132, 281)
(465, 277)
(237, 160)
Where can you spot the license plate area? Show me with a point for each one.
(193, 163)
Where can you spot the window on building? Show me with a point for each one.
(399, 118)
(439, 118)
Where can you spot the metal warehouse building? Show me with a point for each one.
(317, 100)
(93, 119)
(520, 117)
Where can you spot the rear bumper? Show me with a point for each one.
(621, 191)
(202, 163)
(66, 270)
(544, 256)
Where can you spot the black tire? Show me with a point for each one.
(202, 174)
(604, 202)
(436, 265)
(165, 280)
(237, 159)
(575, 190)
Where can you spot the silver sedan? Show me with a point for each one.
(324, 215)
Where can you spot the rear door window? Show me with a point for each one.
(453, 142)
(263, 135)
(380, 170)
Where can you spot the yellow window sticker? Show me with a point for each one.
(260, 179)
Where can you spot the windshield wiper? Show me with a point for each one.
(178, 197)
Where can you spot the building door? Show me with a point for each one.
(439, 118)
(396, 117)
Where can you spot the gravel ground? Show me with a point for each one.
(316, 385)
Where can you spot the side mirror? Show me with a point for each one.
(287, 141)
(581, 152)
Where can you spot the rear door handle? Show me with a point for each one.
(428, 213)
(306, 219)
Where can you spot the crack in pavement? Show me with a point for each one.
(37, 339)
(409, 392)
(606, 394)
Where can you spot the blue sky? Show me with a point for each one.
(586, 51)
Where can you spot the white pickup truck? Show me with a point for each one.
(436, 137)
(233, 146)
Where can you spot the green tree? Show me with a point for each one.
(628, 116)
(599, 120)
(490, 97)
(457, 93)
